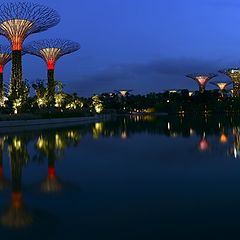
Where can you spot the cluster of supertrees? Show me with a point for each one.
(18, 20)
(232, 73)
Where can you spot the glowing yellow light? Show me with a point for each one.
(59, 99)
(97, 130)
(59, 142)
(221, 86)
(17, 144)
(40, 143)
(41, 102)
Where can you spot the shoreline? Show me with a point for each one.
(41, 124)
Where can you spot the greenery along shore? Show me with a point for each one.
(173, 102)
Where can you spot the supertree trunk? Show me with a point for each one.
(16, 85)
(51, 87)
(201, 88)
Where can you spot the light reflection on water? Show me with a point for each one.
(139, 168)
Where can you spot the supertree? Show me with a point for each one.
(234, 75)
(50, 50)
(123, 92)
(221, 86)
(17, 21)
(201, 79)
(5, 57)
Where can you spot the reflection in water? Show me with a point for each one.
(49, 147)
(17, 215)
(236, 146)
(52, 146)
(3, 182)
(223, 138)
(97, 130)
(203, 144)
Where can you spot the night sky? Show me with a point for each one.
(143, 45)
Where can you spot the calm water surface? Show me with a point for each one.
(141, 177)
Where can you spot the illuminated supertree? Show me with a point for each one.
(50, 50)
(123, 93)
(17, 21)
(221, 86)
(5, 57)
(234, 75)
(202, 79)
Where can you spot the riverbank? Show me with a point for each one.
(39, 124)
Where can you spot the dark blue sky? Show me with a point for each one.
(144, 45)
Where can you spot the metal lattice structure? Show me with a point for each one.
(234, 75)
(5, 57)
(20, 19)
(50, 50)
(221, 86)
(17, 21)
(201, 79)
(123, 93)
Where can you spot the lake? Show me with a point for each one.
(137, 177)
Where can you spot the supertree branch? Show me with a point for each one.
(17, 21)
(201, 79)
(50, 50)
(20, 19)
(234, 75)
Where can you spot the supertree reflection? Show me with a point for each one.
(17, 216)
(3, 182)
(51, 146)
(203, 145)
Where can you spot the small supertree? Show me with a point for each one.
(221, 86)
(50, 50)
(5, 57)
(17, 21)
(234, 75)
(123, 92)
(201, 79)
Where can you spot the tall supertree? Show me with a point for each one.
(17, 21)
(50, 50)
(201, 79)
(221, 86)
(5, 57)
(234, 75)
